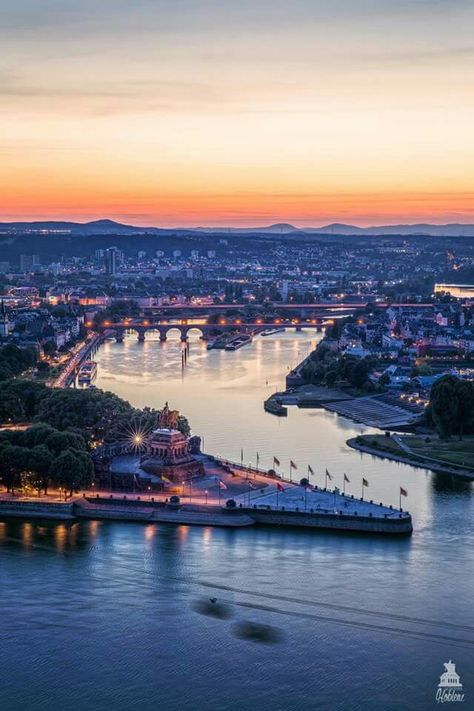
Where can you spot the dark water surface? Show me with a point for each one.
(103, 615)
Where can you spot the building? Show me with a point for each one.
(111, 260)
(459, 291)
(28, 262)
(4, 322)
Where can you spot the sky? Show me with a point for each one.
(237, 112)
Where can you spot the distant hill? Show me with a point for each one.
(110, 227)
(97, 227)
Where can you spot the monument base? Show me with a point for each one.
(177, 473)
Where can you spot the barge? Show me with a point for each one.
(235, 343)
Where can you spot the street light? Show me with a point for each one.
(206, 495)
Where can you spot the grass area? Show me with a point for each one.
(460, 452)
(380, 442)
(452, 451)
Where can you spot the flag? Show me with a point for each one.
(276, 462)
(293, 465)
(252, 485)
(346, 478)
(279, 487)
(403, 492)
(222, 485)
(310, 470)
(165, 478)
(365, 482)
(329, 476)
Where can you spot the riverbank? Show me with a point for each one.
(366, 444)
(277, 504)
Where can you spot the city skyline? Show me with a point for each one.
(185, 115)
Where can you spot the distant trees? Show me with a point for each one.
(451, 407)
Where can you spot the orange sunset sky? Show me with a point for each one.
(200, 112)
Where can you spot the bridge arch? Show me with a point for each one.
(194, 331)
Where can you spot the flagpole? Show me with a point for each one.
(400, 498)
(362, 487)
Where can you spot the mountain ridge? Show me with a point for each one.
(106, 226)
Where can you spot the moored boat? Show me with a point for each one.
(88, 371)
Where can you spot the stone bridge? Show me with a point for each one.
(205, 330)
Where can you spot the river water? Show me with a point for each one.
(102, 615)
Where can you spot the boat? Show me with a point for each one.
(275, 408)
(239, 341)
(216, 344)
(272, 331)
(88, 371)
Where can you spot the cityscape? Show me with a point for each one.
(236, 357)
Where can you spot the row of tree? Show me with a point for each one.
(43, 456)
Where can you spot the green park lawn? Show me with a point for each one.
(452, 451)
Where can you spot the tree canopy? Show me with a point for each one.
(14, 360)
(451, 407)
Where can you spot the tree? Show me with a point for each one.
(465, 396)
(360, 373)
(57, 442)
(13, 463)
(37, 434)
(40, 460)
(452, 406)
(72, 470)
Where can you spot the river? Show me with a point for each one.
(99, 616)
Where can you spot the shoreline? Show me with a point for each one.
(417, 463)
(324, 510)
